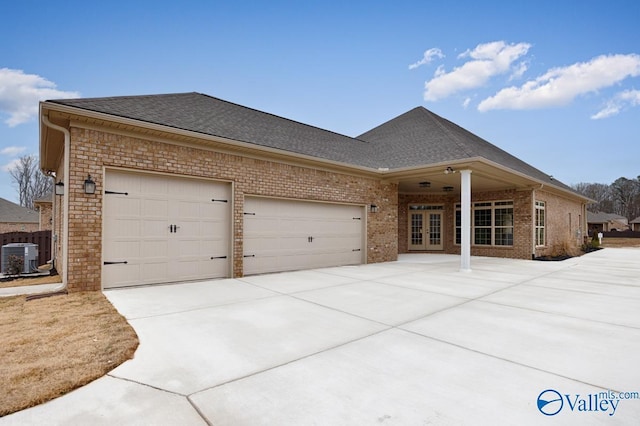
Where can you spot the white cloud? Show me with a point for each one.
(628, 98)
(466, 103)
(559, 86)
(20, 94)
(487, 60)
(12, 151)
(427, 57)
(12, 164)
(519, 71)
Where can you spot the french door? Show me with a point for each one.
(425, 230)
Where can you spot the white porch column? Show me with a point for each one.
(465, 204)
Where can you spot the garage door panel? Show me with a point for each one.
(125, 249)
(137, 229)
(282, 235)
(151, 228)
(123, 207)
(155, 208)
(151, 185)
(124, 274)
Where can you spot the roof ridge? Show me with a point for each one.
(455, 138)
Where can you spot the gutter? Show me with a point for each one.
(65, 209)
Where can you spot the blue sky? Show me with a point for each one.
(556, 83)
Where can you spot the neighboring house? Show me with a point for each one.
(635, 224)
(605, 222)
(193, 187)
(15, 218)
(44, 206)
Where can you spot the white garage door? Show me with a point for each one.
(285, 235)
(159, 229)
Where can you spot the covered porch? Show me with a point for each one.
(480, 208)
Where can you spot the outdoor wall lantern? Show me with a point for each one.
(59, 188)
(448, 170)
(89, 185)
(373, 208)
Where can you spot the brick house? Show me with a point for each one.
(15, 218)
(606, 222)
(44, 207)
(191, 187)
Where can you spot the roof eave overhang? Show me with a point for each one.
(68, 114)
(485, 166)
(219, 142)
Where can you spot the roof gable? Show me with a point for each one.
(421, 137)
(417, 138)
(14, 213)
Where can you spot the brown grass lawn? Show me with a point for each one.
(52, 345)
(621, 242)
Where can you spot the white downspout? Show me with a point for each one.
(65, 209)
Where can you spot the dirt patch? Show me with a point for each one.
(53, 345)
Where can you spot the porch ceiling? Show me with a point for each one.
(484, 177)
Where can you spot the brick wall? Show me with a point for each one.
(45, 210)
(93, 150)
(522, 232)
(17, 227)
(564, 224)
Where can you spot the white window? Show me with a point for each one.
(540, 223)
(492, 223)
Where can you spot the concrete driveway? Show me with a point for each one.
(412, 342)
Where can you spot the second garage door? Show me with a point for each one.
(286, 235)
(160, 229)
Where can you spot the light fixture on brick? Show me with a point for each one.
(59, 188)
(89, 185)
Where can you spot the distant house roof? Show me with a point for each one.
(47, 198)
(14, 213)
(636, 220)
(414, 139)
(602, 217)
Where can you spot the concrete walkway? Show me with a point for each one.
(412, 342)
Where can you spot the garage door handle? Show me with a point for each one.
(218, 257)
(115, 263)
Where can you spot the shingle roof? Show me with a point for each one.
(215, 117)
(14, 213)
(421, 137)
(636, 220)
(413, 139)
(602, 217)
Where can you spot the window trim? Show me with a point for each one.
(540, 207)
(485, 205)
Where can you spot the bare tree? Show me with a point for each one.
(625, 193)
(30, 182)
(599, 192)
